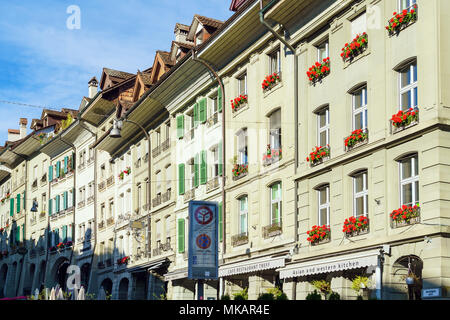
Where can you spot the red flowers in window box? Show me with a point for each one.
(239, 169)
(355, 225)
(318, 234)
(401, 19)
(270, 81)
(318, 154)
(127, 171)
(405, 213)
(272, 155)
(403, 119)
(355, 47)
(356, 136)
(60, 245)
(239, 101)
(123, 260)
(319, 70)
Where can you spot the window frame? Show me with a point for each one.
(410, 3)
(325, 42)
(363, 109)
(326, 127)
(278, 201)
(242, 77)
(415, 177)
(243, 214)
(410, 87)
(275, 55)
(326, 205)
(362, 194)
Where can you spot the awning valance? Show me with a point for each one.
(331, 264)
(176, 274)
(252, 265)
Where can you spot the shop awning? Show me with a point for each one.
(331, 264)
(252, 265)
(176, 274)
(148, 266)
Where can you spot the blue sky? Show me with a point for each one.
(44, 63)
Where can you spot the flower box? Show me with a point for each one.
(318, 155)
(239, 171)
(271, 156)
(319, 234)
(401, 20)
(404, 216)
(356, 226)
(356, 47)
(319, 70)
(123, 261)
(357, 138)
(403, 120)
(238, 102)
(272, 230)
(270, 81)
(239, 240)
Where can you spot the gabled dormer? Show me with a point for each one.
(202, 29)
(236, 4)
(161, 65)
(112, 77)
(142, 84)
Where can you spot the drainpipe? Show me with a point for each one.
(222, 88)
(290, 47)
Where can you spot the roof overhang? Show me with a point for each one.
(4, 172)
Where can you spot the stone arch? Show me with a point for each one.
(29, 277)
(3, 277)
(58, 273)
(85, 273)
(106, 285)
(402, 267)
(41, 275)
(123, 288)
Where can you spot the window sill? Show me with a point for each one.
(267, 92)
(240, 110)
(349, 62)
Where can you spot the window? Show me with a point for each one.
(409, 180)
(242, 84)
(359, 25)
(158, 231)
(102, 211)
(158, 137)
(322, 51)
(214, 108)
(158, 183)
(275, 203)
(35, 172)
(169, 178)
(121, 204)
(243, 214)
(275, 61)
(111, 209)
(191, 165)
(242, 147)
(324, 205)
(102, 171)
(360, 194)
(44, 202)
(323, 125)
(405, 4)
(408, 86)
(275, 130)
(214, 168)
(167, 225)
(359, 103)
(139, 190)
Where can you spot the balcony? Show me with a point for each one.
(239, 239)
(272, 230)
(165, 145)
(212, 120)
(81, 204)
(101, 186)
(156, 151)
(166, 196)
(189, 195)
(101, 224)
(156, 201)
(356, 139)
(110, 181)
(212, 184)
(110, 221)
(34, 185)
(189, 135)
(161, 249)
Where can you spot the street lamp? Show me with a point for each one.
(116, 133)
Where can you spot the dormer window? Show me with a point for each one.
(199, 37)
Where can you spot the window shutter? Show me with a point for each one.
(220, 223)
(196, 170)
(203, 168)
(11, 207)
(181, 235)
(181, 179)
(66, 162)
(18, 203)
(219, 99)
(66, 199)
(196, 115)
(58, 166)
(57, 203)
(57, 236)
(50, 173)
(220, 159)
(202, 110)
(64, 233)
(50, 202)
(180, 126)
(18, 234)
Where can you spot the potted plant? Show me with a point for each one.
(318, 154)
(319, 70)
(318, 234)
(401, 19)
(356, 137)
(405, 214)
(354, 48)
(323, 286)
(127, 171)
(360, 283)
(354, 225)
(239, 101)
(241, 295)
(270, 81)
(404, 118)
(239, 169)
(60, 246)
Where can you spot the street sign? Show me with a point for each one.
(431, 293)
(203, 245)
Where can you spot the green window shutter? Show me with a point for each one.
(18, 203)
(65, 199)
(11, 207)
(64, 233)
(50, 173)
(220, 223)
(181, 179)
(23, 232)
(66, 162)
(202, 110)
(219, 99)
(24, 201)
(196, 115)
(58, 167)
(196, 173)
(18, 234)
(181, 235)
(50, 202)
(57, 236)
(57, 203)
(203, 168)
(180, 126)
(220, 159)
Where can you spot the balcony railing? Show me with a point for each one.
(189, 135)
(271, 156)
(212, 120)
(272, 230)
(81, 166)
(212, 184)
(165, 145)
(110, 181)
(90, 199)
(101, 186)
(101, 224)
(156, 151)
(189, 195)
(81, 204)
(166, 196)
(110, 221)
(90, 160)
(156, 201)
(239, 239)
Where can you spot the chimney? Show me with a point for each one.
(93, 87)
(181, 31)
(23, 127)
(13, 135)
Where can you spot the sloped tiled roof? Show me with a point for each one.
(181, 27)
(118, 74)
(209, 21)
(165, 56)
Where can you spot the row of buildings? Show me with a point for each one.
(301, 145)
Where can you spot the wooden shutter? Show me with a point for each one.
(220, 158)
(203, 168)
(57, 236)
(180, 126)
(64, 233)
(50, 202)
(57, 203)
(18, 203)
(196, 115)
(202, 110)
(11, 207)
(58, 168)
(181, 236)
(220, 222)
(219, 99)
(181, 179)
(65, 199)
(18, 234)
(196, 170)
(50, 173)
(66, 162)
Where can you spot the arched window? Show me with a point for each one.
(323, 196)
(323, 126)
(243, 214)
(409, 180)
(359, 108)
(408, 88)
(275, 203)
(360, 194)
